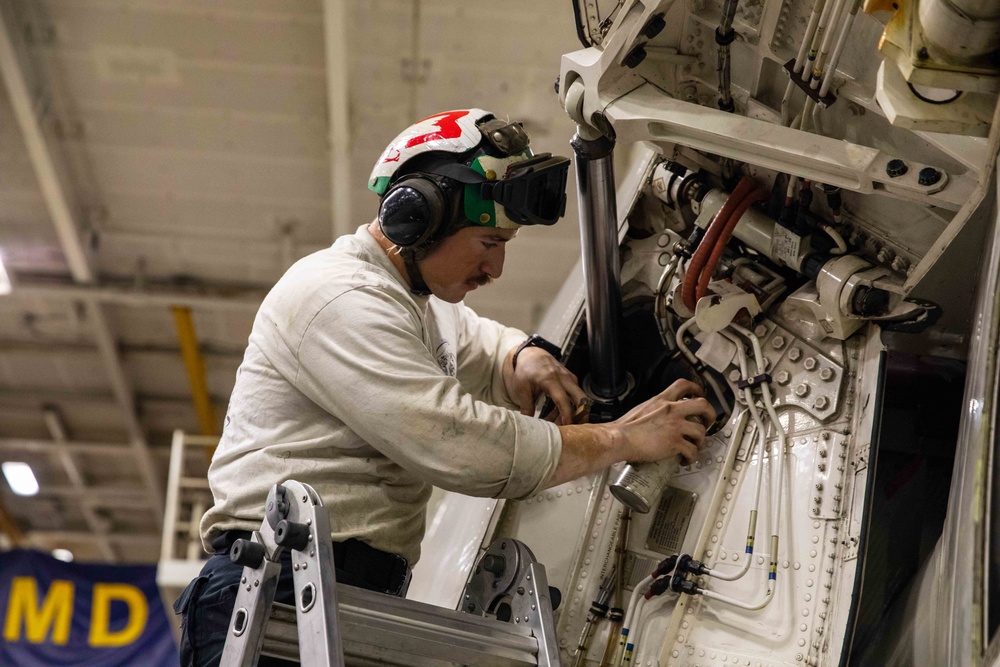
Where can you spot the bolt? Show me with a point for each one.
(928, 176)
(885, 255)
(760, 331)
(635, 56)
(900, 264)
(782, 378)
(778, 342)
(795, 354)
(822, 403)
(802, 390)
(818, 500)
(923, 54)
(895, 168)
(654, 27)
(822, 467)
(815, 510)
(734, 375)
(826, 374)
(823, 453)
(809, 363)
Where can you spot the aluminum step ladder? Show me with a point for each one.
(505, 619)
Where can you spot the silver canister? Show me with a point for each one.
(639, 484)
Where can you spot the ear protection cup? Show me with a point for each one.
(417, 208)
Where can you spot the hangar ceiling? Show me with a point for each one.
(183, 153)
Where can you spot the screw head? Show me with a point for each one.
(826, 374)
(822, 402)
(809, 363)
(896, 168)
(802, 390)
(795, 354)
(928, 176)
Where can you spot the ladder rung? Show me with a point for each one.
(385, 630)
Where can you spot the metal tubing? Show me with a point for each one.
(595, 178)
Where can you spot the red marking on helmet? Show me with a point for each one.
(391, 157)
(447, 126)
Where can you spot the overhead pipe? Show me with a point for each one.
(595, 179)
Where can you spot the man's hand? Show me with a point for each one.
(672, 422)
(539, 372)
(664, 426)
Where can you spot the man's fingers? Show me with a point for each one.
(688, 452)
(693, 432)
(697, 407)
(526, 402)
(682, 389)
(555, 391)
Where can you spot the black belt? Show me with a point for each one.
(364, 565)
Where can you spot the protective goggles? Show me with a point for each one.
(533, 192)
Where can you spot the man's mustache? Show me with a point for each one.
(482, 279)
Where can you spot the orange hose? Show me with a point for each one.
(693, 273)
(720, 245)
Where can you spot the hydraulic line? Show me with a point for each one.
(623, 641)
(820, 63)
(598, 610)
(617, 614)
(723, 238)
(776, 496)
(845, 30)
(660, 299)
(815, 41)
(697, 263)
(707, 376)
(634, 640)
(724, 36)
(772, 413)
(837, 238)
(814, 16)
(768, 596)
(762, 439)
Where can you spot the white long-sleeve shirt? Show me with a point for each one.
(371, 395)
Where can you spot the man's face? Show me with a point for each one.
(460, 263)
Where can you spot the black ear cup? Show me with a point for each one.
(415, 210)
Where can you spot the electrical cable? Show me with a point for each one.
(723, 238)
(691, 276)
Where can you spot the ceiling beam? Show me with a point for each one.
(29, 105)
(98, 525)
(148, 539)
(338, 103)
(247, 301)
(52, 447)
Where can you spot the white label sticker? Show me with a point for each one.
(785, 246)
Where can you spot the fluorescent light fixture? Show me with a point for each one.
(5, 286)
(20, 477)
(64, 555)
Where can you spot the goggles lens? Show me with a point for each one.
(534, 191)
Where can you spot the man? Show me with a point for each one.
(366, 377)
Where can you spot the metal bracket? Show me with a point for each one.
(510, 585)
(294, 519)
